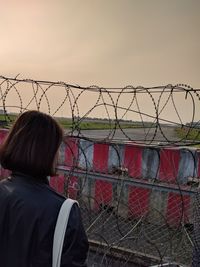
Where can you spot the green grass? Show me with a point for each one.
(7, 121)
(67, 123)
(190, 134)
(8, 118)
(86, 124)
(92, 125)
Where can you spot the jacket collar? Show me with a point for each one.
(29, 178)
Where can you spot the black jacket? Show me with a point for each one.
(28, 213)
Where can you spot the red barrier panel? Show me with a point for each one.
(103, 189)
(103, 193)
(73, 187)
(133, 160)
(58, 183)
(138, 201)
(71, 152)
(100, 158)
(169, 162)
(3, 134)
(177, 209)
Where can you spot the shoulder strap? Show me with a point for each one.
(60, 230)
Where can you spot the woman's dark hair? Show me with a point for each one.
(32, 144)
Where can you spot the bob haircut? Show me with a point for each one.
(32, 145)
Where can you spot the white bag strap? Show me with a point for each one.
(60, 230)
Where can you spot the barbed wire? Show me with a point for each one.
(154, 127)
(135, 181)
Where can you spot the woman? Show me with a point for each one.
(28, 206)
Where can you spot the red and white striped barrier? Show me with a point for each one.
(157, 177)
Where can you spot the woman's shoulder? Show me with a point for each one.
(52, 194)
(31, 192)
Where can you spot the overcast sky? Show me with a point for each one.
(102, 42)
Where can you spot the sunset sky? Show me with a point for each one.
(104, 42)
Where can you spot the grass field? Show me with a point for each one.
(7, 121)
(82, 124)
(190, 134)
(94, 124)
